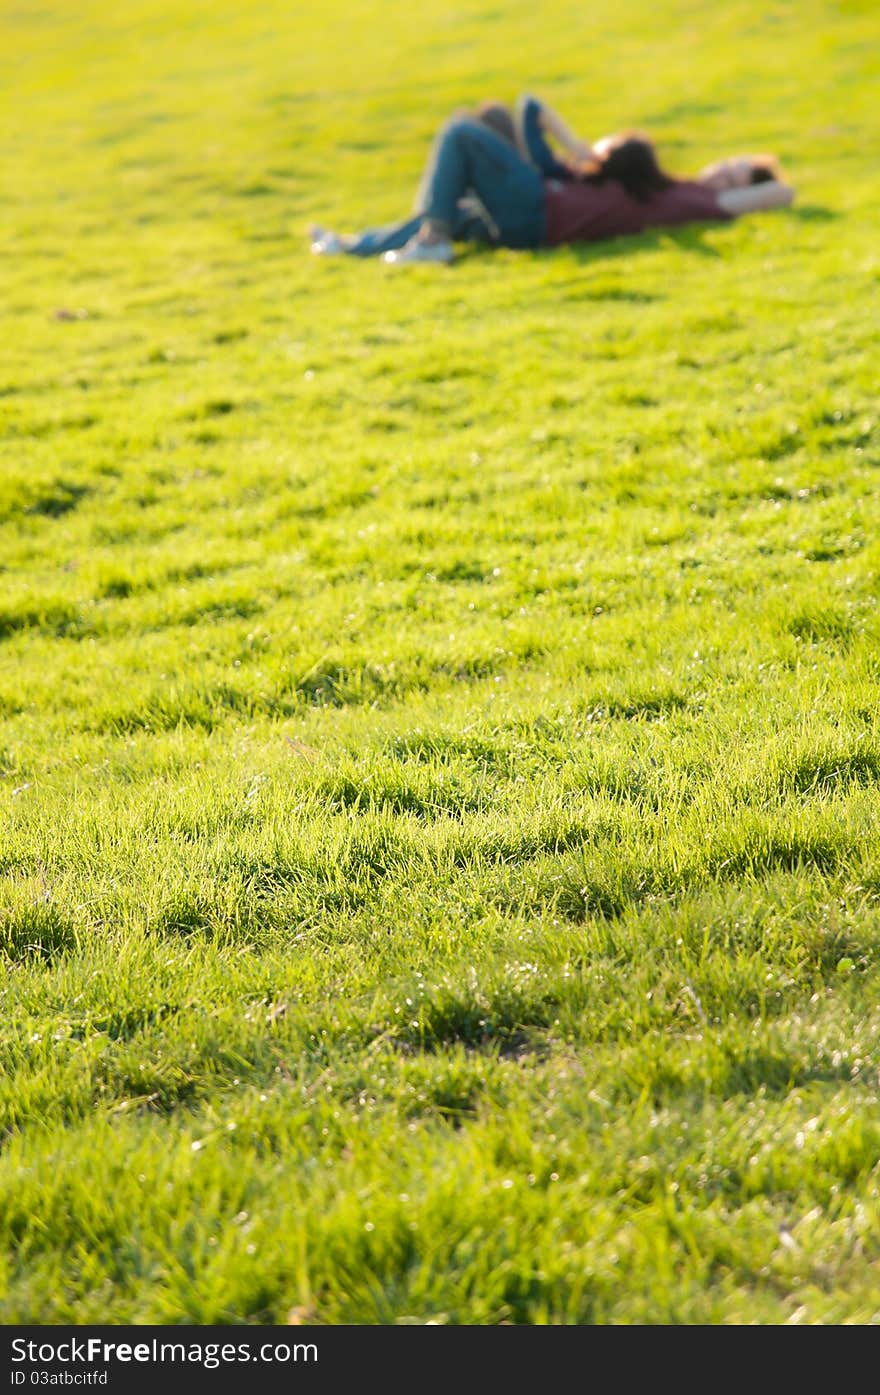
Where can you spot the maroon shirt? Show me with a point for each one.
(589, 212)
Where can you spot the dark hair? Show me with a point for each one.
(632, 161)
(498, 118)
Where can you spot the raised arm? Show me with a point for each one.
(580, 150)
(535, 123)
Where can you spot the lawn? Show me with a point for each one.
(439, 726)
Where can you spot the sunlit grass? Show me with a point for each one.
(439, 732)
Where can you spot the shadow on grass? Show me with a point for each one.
(691, 238)
(814, 213)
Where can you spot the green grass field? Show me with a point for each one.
(439, 727)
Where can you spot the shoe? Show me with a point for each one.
(326, 243)
(416, 250)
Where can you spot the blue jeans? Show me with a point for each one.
(470, 226)
(478, 188)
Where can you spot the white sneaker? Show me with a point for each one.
(416, 250)
(326, 243)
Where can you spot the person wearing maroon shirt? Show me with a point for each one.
(480, 187)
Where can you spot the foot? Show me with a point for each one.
(420, 249)
(326, 243)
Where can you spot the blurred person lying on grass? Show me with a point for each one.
(495, 179)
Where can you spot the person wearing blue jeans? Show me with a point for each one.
(502, 185)
(477, 188)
